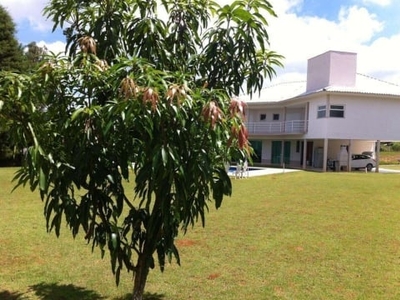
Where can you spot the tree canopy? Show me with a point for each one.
(33, 55)
(139, 97)
(11, 55)
(11, 59)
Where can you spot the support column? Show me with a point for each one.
(377, 155)
(349, 151)
(304, 154)
(325, 159)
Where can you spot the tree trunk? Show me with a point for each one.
(142, 270)
(145, 258)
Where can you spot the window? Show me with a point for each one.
(263, 117)
(275, 117)
(336, 111)
(321, 111)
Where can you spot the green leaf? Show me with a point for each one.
(175, 252)
(42, 180)
(114, 241)
(117, 275)
(164, 156)
(77, 113)
(242, 14)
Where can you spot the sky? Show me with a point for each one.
(303, 29)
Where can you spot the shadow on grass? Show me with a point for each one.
(6, 295)
(51, 291)
(146, 296)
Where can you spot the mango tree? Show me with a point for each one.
(145, 92)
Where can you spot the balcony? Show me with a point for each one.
(274, 128)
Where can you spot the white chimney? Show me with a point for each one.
(332, 68)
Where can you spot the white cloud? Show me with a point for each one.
(28, 10)
(378, 2)
(297, 37)
(355, 29)
(380, 59)
(358, 24)
(55, 47)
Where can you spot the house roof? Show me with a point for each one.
(290, 90)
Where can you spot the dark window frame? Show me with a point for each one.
(336, 111)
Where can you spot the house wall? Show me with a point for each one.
(294, 114)
(266, 152)
(365, 118)
(317, 128)
(254, 114)
(357, 146)
(288, 114)
(295, 157)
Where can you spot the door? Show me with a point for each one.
(276, 150)
(286, 152)
(309, 153)
(257, 147)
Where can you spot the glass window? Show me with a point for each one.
(263, 117)
(275, 117)
(336, 111)
(321, 111)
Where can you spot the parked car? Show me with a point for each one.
(359, 161)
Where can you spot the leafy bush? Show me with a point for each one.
(395, 147)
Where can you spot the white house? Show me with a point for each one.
(336, 111)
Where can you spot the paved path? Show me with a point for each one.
(383, 170)
(270, 171)
(264, 171)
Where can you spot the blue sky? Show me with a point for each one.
(26, 32)
(303, 29)
(387, 11)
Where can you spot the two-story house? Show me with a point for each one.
(334, 113)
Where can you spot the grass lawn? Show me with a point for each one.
(389, 157)
(300, 235)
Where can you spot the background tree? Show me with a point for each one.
(140, 92)
(11, 54)
(11, 59)
(33, 55)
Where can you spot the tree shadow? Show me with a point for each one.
(7, 295)
(146, 296)
(51, 291)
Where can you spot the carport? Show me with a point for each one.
(327, 149)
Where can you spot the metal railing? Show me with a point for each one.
(276, 127)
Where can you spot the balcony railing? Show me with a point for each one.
(287, 127)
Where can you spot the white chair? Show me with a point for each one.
(238, 171)
(245, 169)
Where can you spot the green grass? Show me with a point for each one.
(301, 235)
(389, 157)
